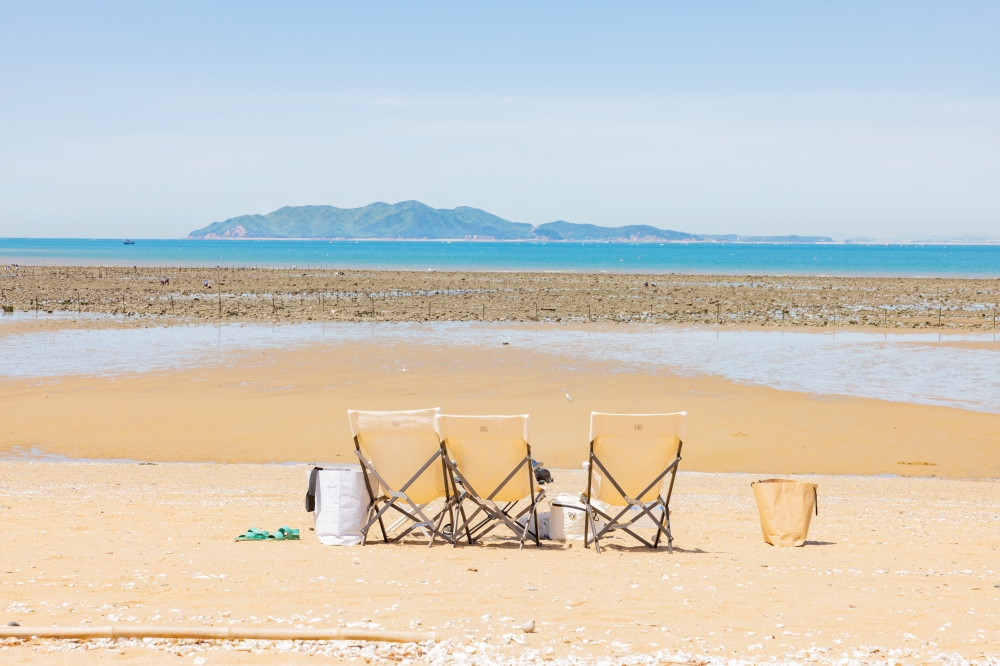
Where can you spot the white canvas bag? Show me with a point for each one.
(341, 505)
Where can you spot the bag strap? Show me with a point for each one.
(311, 493)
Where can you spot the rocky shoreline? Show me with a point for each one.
(184, 295)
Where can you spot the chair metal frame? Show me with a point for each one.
(613, 524)
(390, 500)
(495, 514)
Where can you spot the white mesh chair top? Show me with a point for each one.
(634, 448)
(397, 444)
(486, 450)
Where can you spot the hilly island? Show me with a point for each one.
(413, 220)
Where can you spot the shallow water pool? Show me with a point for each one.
(957, 370)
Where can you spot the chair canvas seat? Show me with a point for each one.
(632, 468)
(491, 458)
(401, 457)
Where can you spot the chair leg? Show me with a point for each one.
(532, 515)
(437, 528)
(670, 534)
(465, 523)
(663, 515)
(364, 532)
(534, 511)
(593, 527)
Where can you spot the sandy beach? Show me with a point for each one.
(137, 295)
(896, 571)
(899, 567)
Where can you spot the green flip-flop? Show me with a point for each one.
(253, 534)
(285, 533)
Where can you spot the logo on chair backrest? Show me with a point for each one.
(395, 424)
(637, 426)
(484, 428)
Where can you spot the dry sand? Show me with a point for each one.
(364, 295)
(895, 571)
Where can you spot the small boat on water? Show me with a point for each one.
(128, 241)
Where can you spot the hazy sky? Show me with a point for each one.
(836, 118)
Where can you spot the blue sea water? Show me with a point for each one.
(758, 259)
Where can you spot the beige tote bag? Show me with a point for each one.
(786, 509)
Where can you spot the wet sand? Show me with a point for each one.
(895, 571)
(137, 295)
(290, 405)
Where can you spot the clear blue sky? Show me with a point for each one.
(838, 118)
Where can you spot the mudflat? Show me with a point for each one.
(182, 295)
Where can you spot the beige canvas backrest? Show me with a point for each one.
(488, 448)
(634, 448)
(397, 444)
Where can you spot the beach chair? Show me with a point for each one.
(632, 468)
(404, 467)
(490, 457)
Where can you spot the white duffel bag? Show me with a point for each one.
(341, 504)
(566, 518)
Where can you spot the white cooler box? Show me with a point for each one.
(341, 508)
(566, 518)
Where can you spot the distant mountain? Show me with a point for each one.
(407, 219)
(634, 232)
(414, 220)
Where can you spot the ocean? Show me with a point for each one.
(705, 258)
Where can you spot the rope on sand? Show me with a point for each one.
(218, 633)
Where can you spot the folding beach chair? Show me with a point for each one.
(491, 459)
(404, 467)
(633, 464)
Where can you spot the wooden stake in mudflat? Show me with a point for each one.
(218, 633)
